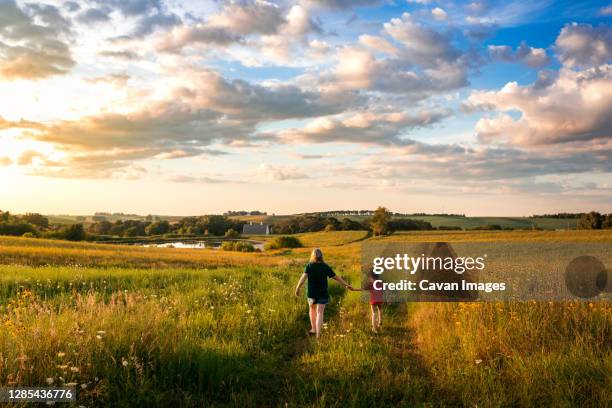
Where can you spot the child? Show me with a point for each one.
(376, 301)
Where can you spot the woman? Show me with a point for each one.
(317, 272)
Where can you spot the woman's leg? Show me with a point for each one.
(373, 313)
(379, 310)
(320, 312)
(312, 312)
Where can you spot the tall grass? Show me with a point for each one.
(518, 354)
(159, 327)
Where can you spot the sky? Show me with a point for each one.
(180, 107)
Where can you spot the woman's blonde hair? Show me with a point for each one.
(316, 256)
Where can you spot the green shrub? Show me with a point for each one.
(232, 233)
(15, 228)
(284, 242)
(239, 246)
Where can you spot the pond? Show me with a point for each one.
(198, 244)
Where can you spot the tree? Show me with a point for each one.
(231, 233)
(74, 232)
(217, 224)
(380, 221)
(131, 232)
(101, 228)
(36, 219)
(158, 228)
(607, 222)
(592, 220)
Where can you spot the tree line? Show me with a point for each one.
(364, 213)
(380, 223)
(216, 225)
(595, 220)
(36, 225)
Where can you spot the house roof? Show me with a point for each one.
(255, 229)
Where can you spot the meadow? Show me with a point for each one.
(134, 326)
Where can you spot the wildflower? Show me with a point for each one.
(50, 380)
(61, 354)
(74, 369)
(71, 384)
(478, 361)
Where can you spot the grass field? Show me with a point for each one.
(132, 326)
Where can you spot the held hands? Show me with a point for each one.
(297, 292)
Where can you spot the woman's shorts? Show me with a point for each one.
(313, 301)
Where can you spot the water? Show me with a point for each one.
(198, 245)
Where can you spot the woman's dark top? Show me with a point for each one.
(318, 272)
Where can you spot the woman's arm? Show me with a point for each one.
(300, 284)
(339, 279)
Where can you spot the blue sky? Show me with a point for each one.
(478, 107)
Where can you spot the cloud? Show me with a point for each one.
(421, 45)
(309, 156)
(248, 17)
(277, 173)
(359, 69)
(408, 58)
(575, 106)
(133, 8)
(156, 21)
(202, 109)
(582, 45)
(455, 168)
(343, 4)
(149, 15)
(120, 54)
(94, 15)
(195, 179)
(235, 21)
(33, 41)
(26, 158)
(246, 101)
(439, 14)
(5, 161)
(606, 11)
(363, 127)
(532, 57)
(378, 44)
(72, 6)
(197, 35)
(118, 79)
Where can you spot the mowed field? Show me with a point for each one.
(132, 326)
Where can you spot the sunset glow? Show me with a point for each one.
(190, 107)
